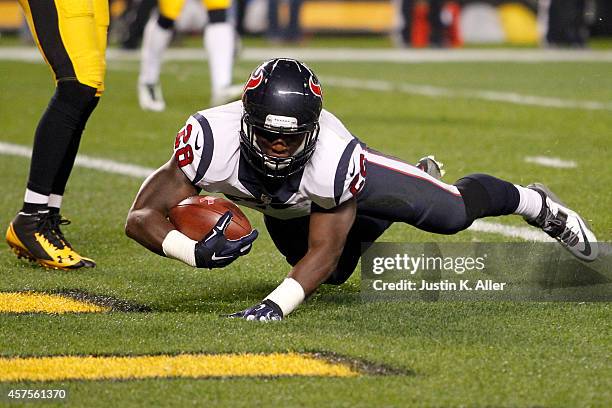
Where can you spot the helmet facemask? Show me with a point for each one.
(274, 128)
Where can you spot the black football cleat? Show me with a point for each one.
(431, 166)
(564, 225)
(59, 220)
(37, 237)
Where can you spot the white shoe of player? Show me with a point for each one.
(225, 95)
(150, 97)
(565, 225)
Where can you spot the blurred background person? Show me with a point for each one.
(409, 10)
(291, 32)
(219, 41)
(132, 22)
(565, 20)
(240, 6)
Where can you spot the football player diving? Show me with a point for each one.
(322, 191)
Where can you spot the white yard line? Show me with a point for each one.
(126, 169)
(551, 162)
(388, 55)
(89, 162)
(436, 92)
(353, 54)
(526, 233)
(441, 92)
(398, 56)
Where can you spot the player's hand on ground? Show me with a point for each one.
(216, 251)
(265, 311)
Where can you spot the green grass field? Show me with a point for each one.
(449, 353)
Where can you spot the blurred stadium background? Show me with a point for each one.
(518, 22)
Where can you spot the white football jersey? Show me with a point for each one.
(207, 149)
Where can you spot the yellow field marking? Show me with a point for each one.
(184, 365)
(25, 302)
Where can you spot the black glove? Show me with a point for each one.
(264, 312)
(216, 251)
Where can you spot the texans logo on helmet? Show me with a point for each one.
(254, 81)
(314, 87)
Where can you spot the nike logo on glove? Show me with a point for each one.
(214, 257)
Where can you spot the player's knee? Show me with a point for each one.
(75, 93)
(217, 16)
(445, 217)
(74, 99)
(486, 195)
(165, 22)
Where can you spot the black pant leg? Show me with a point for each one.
(399, 192)
(291, 239)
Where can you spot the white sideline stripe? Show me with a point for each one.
(434, 91)
(388, 55)
(111, 166)
(30, 54)
(551, 162)
(108, 166)
(352, 54)
(526, 233)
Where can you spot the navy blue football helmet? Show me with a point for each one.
(282, 98)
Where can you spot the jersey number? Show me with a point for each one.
(359, 180)
(184, 155)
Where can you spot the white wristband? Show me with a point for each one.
(179, 246)
(288, 295)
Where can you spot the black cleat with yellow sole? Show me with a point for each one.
(38, 237)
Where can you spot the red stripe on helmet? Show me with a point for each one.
(254, 81)
(315, 88)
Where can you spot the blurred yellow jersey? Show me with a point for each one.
(171, 9)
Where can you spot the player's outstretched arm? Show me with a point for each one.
(327, 236)
(146, 221)
(326, 240)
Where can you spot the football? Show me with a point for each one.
(196, 216)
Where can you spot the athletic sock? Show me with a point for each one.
(530, 203)
(155, 41)
(219, 43)
(55, 203)
(34, 202)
